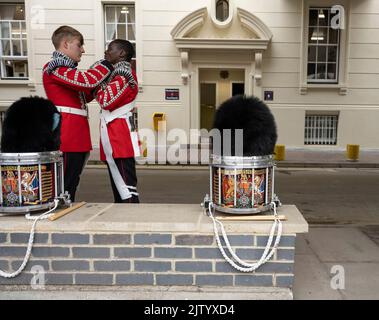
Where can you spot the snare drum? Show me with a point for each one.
(30, 181)
(242, 185)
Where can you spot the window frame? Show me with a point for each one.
(343, 63)
(11, 56)
(221, 2)
(126, 23)
(318, 45)
(227, 22)
(319, 123)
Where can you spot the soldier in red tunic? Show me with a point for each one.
(119, 139)
(70, 89)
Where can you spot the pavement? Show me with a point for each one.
(332, 158)
(293, 157)
(337, 263)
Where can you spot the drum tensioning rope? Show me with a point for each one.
(43, 216)
(267, 253)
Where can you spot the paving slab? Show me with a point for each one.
(342, 245)
(361, 280)
(312, 280)
(148, 217)
(372, 231)
(302, 245)
(152, 218)
(86, 213)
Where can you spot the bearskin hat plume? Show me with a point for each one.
(31, 124)
(255, 118)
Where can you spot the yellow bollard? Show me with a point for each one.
(143, 147)
(352, 152)
(279, 152)
(145, 152)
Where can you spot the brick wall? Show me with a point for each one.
(162, 259)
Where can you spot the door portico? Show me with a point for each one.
(205, 45)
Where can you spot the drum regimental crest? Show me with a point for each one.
(25, 185)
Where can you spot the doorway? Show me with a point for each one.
(207, 105)
(217, 85)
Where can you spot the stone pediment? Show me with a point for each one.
(197, 30)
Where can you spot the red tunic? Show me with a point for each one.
(63, 87)
(116, 94)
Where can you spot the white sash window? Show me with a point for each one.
(13, 42)
(323, 47)
(120, 23)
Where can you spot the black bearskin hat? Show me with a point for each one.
(255, 118)
(31, 125)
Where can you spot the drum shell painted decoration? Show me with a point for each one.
(242, 185)
(30, 181)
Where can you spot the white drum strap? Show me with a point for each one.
(267, 254)
(106, 117)
(31, 240)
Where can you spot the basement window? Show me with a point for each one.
(320, 129)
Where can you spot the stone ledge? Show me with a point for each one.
(145, 293)
(170, 218)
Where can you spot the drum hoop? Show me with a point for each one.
(30, 158)
(242, 162)
(255, 210)
(24, 209)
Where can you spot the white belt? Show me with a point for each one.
(79, 112)
(105, 117)
(120, 112)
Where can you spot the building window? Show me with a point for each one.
(120, 23)
(323, 47)
(13, 42)
(321, 129)
(222, 10)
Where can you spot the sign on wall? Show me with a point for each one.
(269, 95)
(172, 94)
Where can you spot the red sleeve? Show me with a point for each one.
(117, 93)
(81, 80)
